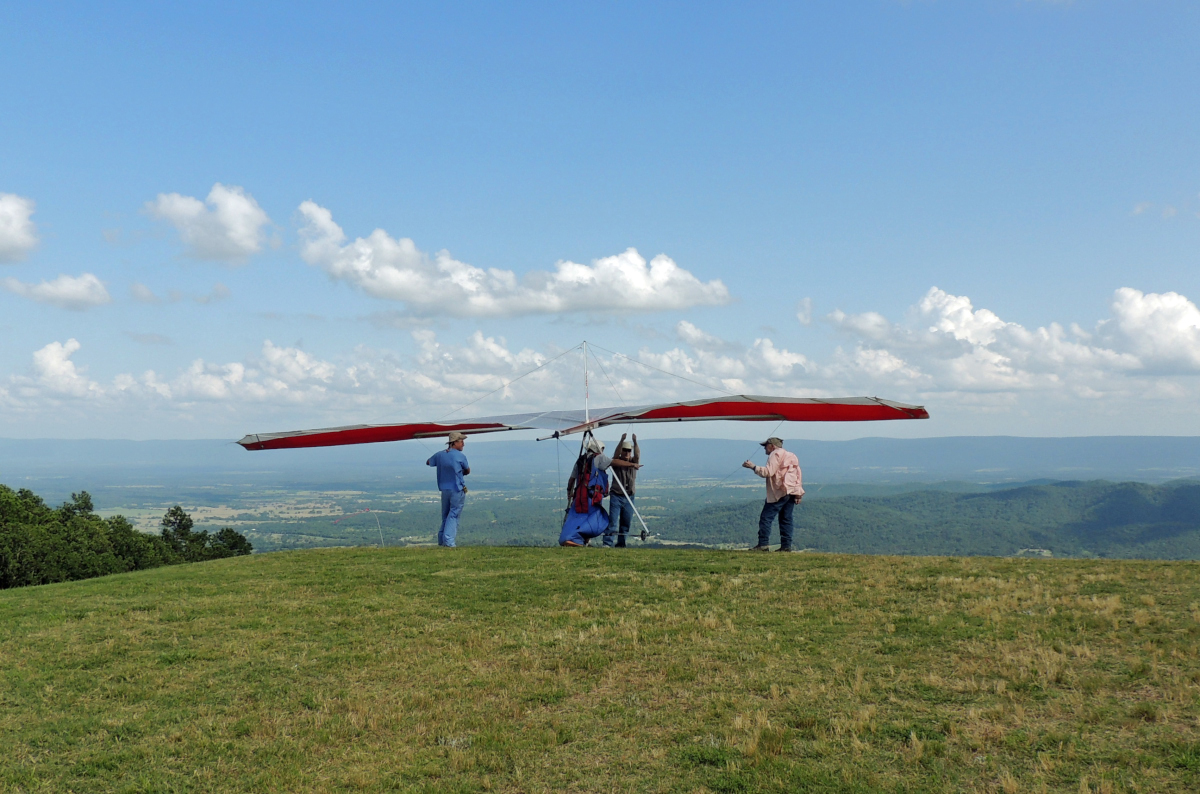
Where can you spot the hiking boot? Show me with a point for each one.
(760, 547)
(784, 548)
(621, 542)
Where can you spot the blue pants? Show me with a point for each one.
(620, 516)
(783, 508)
(452, 507)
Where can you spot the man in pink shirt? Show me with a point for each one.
(784, 492)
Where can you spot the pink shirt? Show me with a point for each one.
(782, 474)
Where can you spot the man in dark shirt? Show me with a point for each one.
(451, 466)
(620, 502)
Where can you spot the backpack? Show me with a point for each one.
(591, 486)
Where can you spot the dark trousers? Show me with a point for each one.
(783, 508)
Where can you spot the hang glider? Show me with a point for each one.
(739, 408)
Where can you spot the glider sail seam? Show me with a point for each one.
(740, 408)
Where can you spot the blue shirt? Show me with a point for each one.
(450, 467)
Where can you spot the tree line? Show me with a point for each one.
(40, 544)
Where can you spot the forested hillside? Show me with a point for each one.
(1068, 518)
(40, 544)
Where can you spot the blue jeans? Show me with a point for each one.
(452, 507)
(783, 508)
(620, 514)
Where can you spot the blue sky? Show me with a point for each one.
(990, 208)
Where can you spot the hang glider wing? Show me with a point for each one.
(746, 408)
(740, 408)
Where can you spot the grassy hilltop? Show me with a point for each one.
(546, 670)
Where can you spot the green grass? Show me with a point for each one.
(549, 670)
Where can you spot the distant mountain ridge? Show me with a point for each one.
(1149, 458)
(119, 473)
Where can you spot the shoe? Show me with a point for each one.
(620, 543)
(784, 548)
(760, 548)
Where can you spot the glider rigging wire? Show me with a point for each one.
(665, 372)
(620, 399)
(511, 382)
(373, 515)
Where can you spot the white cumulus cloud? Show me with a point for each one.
(292, 365)
(955, 346)
(1162, 330)
(55, 371)
(18, 234)
(228, 226)
(695, 337)
(1123, 374)
(395, 269)
(69, 292)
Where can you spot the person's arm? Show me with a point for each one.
(765, 471)
(761, 470)
(625, 464)
(431, 461)
(637, 452)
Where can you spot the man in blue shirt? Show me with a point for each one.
(451, 466)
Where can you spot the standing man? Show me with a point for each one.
(585, 517)
(784, 492)
(451, 466)
(620, 502)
